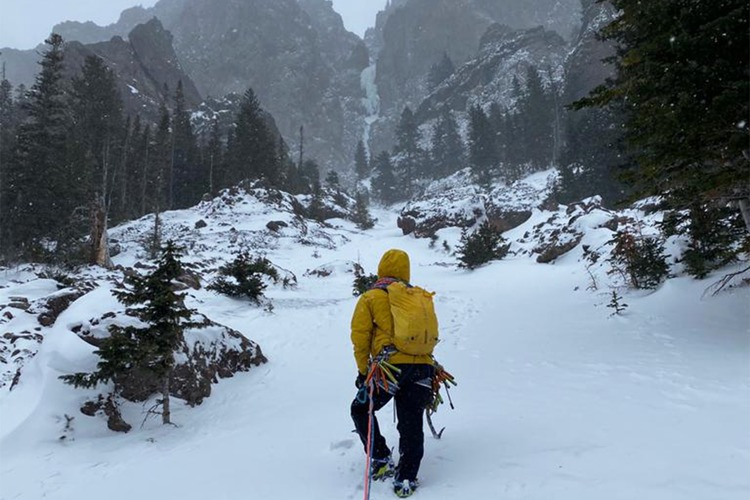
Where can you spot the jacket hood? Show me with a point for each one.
(394, 264)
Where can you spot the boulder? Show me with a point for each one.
(207, 354)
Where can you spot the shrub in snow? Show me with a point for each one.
(640, 259)
(362, 281)
(616, 304)
(481, 246)
(361, 215)
(245, 277)
(714, 233)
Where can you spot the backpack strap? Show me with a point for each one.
(384, 283)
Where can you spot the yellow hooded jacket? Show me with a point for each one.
(372, 323)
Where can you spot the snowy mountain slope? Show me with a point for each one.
(556, 398)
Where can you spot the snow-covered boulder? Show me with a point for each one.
(457, 201)
(208, 353)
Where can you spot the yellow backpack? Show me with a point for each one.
(415, 325)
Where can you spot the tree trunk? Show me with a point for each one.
(99, 241)
(166, 414)
(745, 210)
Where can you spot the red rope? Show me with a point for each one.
(368, 478)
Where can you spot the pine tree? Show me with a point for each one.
(616, 304)
(512, 141)
(408, 155)
(21, 103)
(332, 180)
(591, 157)
(537, 111)
(215, 159)
(310, 175)
(439, 72)
(160, 165)
(244, 277)
(361, 163)
(384, 180)
(682, 81)
(292, 178)
(496, 116)
(121, 198)
(361, 215)
(712, 235)
(481, 246)
(97, 136)
(143, 166)
(151, 348)
(483, 155)
(316, 210)
(640, 259)
(39, 210)
(189, 180)
(7, 141)
(447, 152)
(252, 153)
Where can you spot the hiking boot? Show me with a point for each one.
(404, 488)
(381, 468)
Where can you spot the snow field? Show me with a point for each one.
(556, 399)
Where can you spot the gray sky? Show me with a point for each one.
(26, 23)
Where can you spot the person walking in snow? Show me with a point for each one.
(372, 336)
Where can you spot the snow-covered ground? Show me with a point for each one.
(556, 398)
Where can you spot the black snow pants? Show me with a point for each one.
(411, 399)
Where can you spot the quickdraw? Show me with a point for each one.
(382, 375)
(441, 379)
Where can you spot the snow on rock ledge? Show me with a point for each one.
(457, 201)
(207, 354)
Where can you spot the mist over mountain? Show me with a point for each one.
(146, 67)
(410, 36)
(297, 56)
(308, 70)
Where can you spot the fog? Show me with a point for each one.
(26, 23)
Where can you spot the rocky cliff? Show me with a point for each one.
(412, 35)
(146, 67)
(504, 55)
(307, 69)
(585, 68)
(296, 55)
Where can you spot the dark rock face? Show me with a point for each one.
(504, 220)
(504, 54)
(51, 307)
(413, 34)
(89, 32)
(110, 408)
(426, 224)
(298, 58)
(143, 65)
(584, 66)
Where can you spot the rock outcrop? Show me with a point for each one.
(206, 355)
(458, 202)
(412, 35)
(146, 66)
(504, 55)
